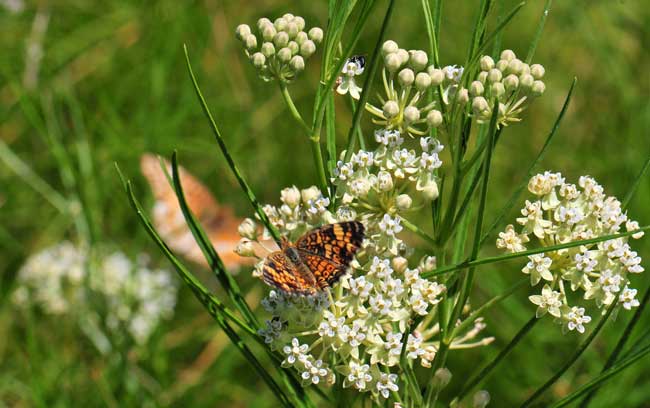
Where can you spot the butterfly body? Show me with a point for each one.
(316, 261)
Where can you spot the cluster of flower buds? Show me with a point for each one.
(281, 47)
(407, 77)
(511, 82)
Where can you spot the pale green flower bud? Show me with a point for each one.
(502, 65)
(411, 114)
(248, 229)
(480, 104)
(526, 81)
(403, 56)
(250, 42)
(430, 191)
(418, 59)
(268, 49)
(502, 109)
(384, 181)
(403, 202)
(284, 54)
(294, 47)
(538, 88)
(508, 55)
(242, 31)
(268, 32)
(281, 39)
(442, 377)
(434, 118)
(263, 22)
(307, 49)
(290, 196)
(389, 47)
(462, 96)
(537, 71)
(511, 82)
(494, 75)
(310, 193)
(525, 69)
(258, 60)
(437, 76)
(391, 109)
(482, 76)
(292, 29)
(316, 35)
(297, 63)
(428, 263)
(301, 37)
(422, 81)
(515, 66)
(476, 88)
(245, 248)
(280, 24)
(497, 89)
(406, 77)
(392, 62)
(486, 62)
(481, 399)
(399, 264)
(300, 22)
(288, 16)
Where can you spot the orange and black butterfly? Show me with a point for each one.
(218, 221)
(316, 261)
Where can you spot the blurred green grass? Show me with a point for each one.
(113, 73)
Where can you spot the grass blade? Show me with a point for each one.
(538, 32)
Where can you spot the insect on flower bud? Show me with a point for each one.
(263, 22)
(508, 55)
(297, 63)
(494, 75)
(403, 202)
(526, 81)
(442, 377)
(411, 114)
(537, 71)
(280, 24)
(481, 399)
(418, 59)
(399, 264)
(480, 104)
(511, 82)
(389, 47)
(300, 22)
(281, 39)
(391, 109)
(247, 229)
(422, 81)
(434, 118)
(267, 49)
(245, 248)
(284, 54)
(403, 55)
(476, 88)
(268, 32)
(242, 31)
(316, 35)
(497, 89)
(258, 59)
(437, 76)
(538, 88)
(462, 96)
(502, 65)
(301, 37)
(294, 47)
(250, 42)
(487, 63)
(307, 49)
(392, 62)
(406, 77)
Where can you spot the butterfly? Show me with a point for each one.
(316, 261)
(218, 221)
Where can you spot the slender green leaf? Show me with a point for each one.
(538, 32)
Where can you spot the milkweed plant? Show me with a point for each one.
(414, 169)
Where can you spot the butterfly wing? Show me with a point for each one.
(280, 272)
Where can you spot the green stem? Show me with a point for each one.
(292, 107)
(415, 229)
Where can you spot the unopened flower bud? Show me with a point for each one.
(399, 264)
(307, 49)
(411, 114)
(502, 65)
(300, 22)
(316, 35)
(511, 82)
(526, 81)
(406, 77)
(482, 76)
(384, 181)
(525, 68)
(242, 31)
(537, 71)
(462, 96)
(441, 378)
(250, 42)
(428, 263)
(538, 88)
(280, 24)
(309, 194)
(418, 60)
(292, 29)
(267, 49)
(476, 88)
(284, 54)
(403, 55)
(290, 196)
(403, 202)
(391, 109)
(515, 66)
(297, 63)
(437, 76)
(281, 39)
(288, 16)
(508, 55)
(430, 191)
(392, 62)
(263, 22)
(497, 89)
(422, 81)
(486, 62)
(248, 229)
(245, 248)
(301, 37)
(481, 399)
(389, 47)
(480, 104)
(434, 118)
(258, 59)
(294, 47)
(494, 76)
(268, 33)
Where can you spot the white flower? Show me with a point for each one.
(390, 226)
(386, 384)
(314, 371)
(576, 318)
(510, 240)
(538, 267)
(359, 376)
(296, 352)
(353, 67)
(549, 301)
(628, 298)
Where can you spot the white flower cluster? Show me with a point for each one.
(280, 50)
(63, 280)
(406, 79)
(510, 81)
(560, 213)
